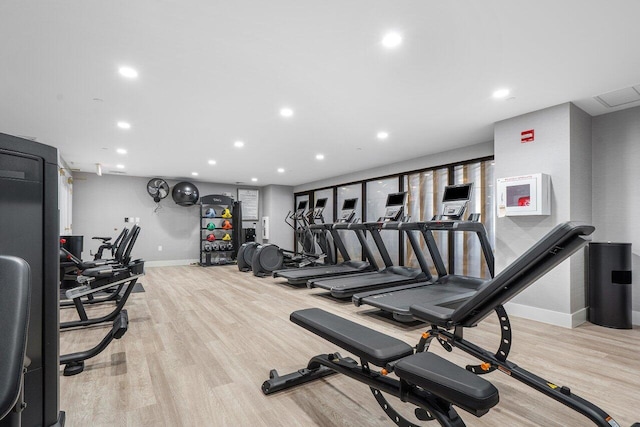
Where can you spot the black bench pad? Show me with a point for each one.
(371, 346)
(448, 381)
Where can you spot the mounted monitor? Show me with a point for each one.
(348, 210)
(455, 200)
(302, 205)
(299, 213)
(318, 210)
(394, 207)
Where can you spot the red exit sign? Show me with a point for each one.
(527, 136)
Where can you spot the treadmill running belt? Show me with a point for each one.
(348, 286)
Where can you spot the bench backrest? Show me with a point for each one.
(132, 236)
(556, 246)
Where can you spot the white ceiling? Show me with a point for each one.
(212, 72)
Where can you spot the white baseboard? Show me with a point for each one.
(565, 320)
(554, 317)
(170, 262)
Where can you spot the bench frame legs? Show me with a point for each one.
(499, 361)
(429, 407)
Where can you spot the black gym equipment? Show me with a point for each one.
(219, 238)
(428, 381)
(74, 362)
(107, 245)
(346, 286)
(185, 194)
(269, 257)
(345, 221)
(158, 189)
(15, 295)
(245, 255)
(248, 235)
(397, 300)
(29, 230)
(122, 277)
(70, 253)
(122, 255)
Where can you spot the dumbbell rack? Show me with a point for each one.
(218, 251)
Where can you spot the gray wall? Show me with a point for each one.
(581, 196)
(100, 204)
(561, 149)
(277, 200)
(616, 183)
(476, 151)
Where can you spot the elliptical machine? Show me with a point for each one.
(245, 255)
(317, 246)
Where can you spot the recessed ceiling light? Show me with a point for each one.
(392, 40)
(319, 156)
(212, 162)
(120, 166)
(124, 125)
(501, 93)
(121, 151)
(382, 135)
(286, 112)
(239, 144)
(128, 72)
(194, 173)
(254, 179)
(280, 170)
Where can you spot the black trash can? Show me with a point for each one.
(74, 244)
(610, 284)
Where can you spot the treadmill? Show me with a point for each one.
(345, 287)
(300, 276)
(447, 289)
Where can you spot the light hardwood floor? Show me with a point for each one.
(202, 340)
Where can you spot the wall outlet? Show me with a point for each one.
(160, 248)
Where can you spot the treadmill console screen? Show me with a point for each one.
(349, 204)
(395, 206)
(321, 203)
(348, 210)
(302, 205)
(455, 200)
(396, 199)
(457, 192)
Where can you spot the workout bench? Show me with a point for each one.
(428, 381)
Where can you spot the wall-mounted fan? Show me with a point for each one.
(158, 189)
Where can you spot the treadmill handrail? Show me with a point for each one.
(460, 225)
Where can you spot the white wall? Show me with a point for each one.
(581, 196)
(100, 204)
(616, 184)
(277, 201)
(556, 151)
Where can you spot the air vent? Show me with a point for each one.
(619, 97)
